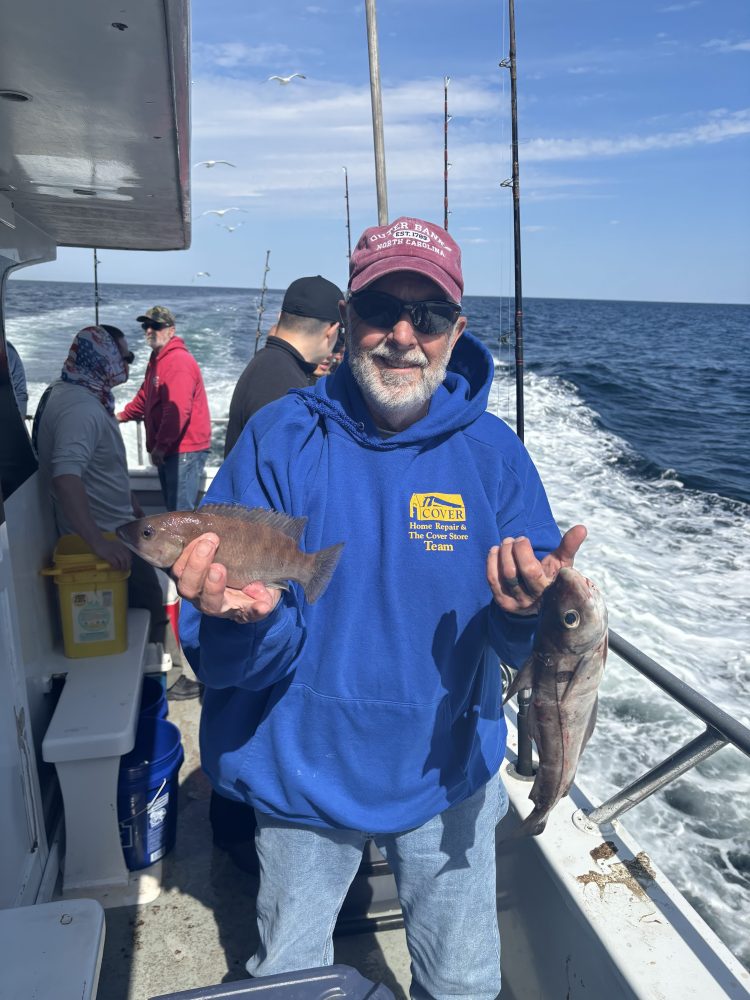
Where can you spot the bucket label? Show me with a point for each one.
(157, 814)
(148, 834)
(93, 616)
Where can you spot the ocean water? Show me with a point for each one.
(636, 415)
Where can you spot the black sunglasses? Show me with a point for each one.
(153, 326)
(431, 317)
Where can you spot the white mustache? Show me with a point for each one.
(414, 357)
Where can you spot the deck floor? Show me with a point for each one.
(200, 931)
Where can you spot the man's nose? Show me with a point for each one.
(403, 333)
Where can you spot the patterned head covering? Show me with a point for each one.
(94, 361)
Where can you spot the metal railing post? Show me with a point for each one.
(524, 764)
(682, 760)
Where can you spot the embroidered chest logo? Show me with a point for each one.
(437, 521)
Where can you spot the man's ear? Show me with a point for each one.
(332, 332)
(458, 329)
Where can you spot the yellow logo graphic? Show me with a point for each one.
(437, 521)
(448, 507)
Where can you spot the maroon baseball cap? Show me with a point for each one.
(407, 245)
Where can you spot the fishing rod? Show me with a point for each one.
(266, 269)
(510, 63)
(96, 289)
(348, 224)
(446, 165)
(524, 764)
(377, 112)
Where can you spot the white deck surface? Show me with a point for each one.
(201, 929)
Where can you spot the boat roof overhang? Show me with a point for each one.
(95, 120)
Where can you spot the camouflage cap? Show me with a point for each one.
(157, 314)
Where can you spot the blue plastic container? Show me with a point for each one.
(147, 793)
(339, 981)
(153, 699)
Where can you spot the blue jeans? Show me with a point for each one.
(445, 873)
(180, 478)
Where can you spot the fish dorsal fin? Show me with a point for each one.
(291, 526)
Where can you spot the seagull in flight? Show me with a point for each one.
(201, 274)
(212, 163)
(222, 211)
(231, 229)
(283, 80)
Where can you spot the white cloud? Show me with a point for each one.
(234, 55)
(724, 45)
(290, 142)
(721, 125)
(675, 8)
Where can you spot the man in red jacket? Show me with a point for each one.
(173, 406)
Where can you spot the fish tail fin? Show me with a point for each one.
(322, 571)
(534, 823)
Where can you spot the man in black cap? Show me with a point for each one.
(304, 336)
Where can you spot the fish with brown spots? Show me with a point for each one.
(255, 544)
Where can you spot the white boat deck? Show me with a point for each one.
(200, 931)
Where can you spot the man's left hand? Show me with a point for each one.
(157, 456)
(518, 579)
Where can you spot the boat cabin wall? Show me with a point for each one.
(28, 614)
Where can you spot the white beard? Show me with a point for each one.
(397, 397)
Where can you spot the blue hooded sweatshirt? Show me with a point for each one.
(379, 706)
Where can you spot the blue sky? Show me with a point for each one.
(635, 144)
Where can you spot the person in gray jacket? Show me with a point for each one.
(83, 464)
(17, 378)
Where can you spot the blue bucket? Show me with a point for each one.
(153, 699)
(147, 793)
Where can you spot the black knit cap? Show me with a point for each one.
(314, 297)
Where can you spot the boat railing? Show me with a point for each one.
(721, 730)
(140, 439)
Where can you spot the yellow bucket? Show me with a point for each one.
(93, 599)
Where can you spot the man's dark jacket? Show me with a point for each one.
(276, 368)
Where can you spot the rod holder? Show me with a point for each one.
(524, 764)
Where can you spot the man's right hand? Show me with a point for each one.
(204, 583)
(114, 552)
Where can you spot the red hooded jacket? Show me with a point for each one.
(172, 402)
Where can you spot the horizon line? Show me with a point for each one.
(477, 295)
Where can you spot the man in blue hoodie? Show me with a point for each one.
(376, 712)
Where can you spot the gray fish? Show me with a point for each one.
(563, 672)
(254, 544)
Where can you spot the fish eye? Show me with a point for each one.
(571, 619)
(147, 532)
